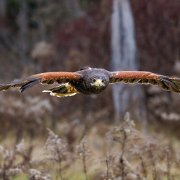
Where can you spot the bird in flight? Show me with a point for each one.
(92, 81)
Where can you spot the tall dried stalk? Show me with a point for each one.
(153, 163)
(121, 159)
(107, 168)
(84, 159)
(144, 170)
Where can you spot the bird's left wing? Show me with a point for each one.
(44, 78)
(144, 77)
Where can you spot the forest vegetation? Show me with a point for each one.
(74, 138)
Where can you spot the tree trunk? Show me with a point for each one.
(2, 8)
(22, 21)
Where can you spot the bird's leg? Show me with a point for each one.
(63, 90)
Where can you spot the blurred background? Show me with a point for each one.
(66, 35)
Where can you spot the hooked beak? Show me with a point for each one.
(98, 83)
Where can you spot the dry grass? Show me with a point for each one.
(105, 152)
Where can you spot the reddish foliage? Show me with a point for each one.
(157, 33)
(89, 35)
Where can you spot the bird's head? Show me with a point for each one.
(96, 80)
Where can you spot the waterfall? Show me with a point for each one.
(124, 56)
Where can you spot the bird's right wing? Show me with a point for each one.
(44, 78)
(144, 77)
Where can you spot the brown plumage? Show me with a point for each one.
(92, 81)
(144, 77)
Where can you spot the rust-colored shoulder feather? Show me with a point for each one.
(57, 76)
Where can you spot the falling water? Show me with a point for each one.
(123, 55)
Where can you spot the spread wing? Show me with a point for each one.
(44, 78)
(143, 77)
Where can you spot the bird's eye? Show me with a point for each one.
(93, 80)
(103, 80)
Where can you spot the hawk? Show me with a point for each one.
(92, 81)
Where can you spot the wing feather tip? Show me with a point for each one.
(171, 84)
